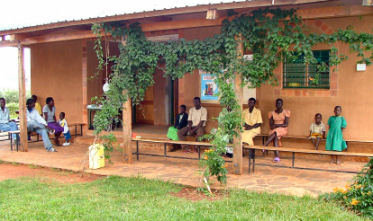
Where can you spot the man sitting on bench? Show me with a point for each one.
(5, 123)
(196, 121)
(36, 123)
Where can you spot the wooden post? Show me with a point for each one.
(22, 99)
(127, 131)
(85, 84)
(237, 142)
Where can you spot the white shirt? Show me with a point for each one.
(63, 123)
(4, 115)
(196, 116)
(34, 117)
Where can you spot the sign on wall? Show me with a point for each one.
(209, 89)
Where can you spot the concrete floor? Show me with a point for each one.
(187, 172)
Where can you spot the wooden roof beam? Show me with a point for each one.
(165, 12)
(307, 13)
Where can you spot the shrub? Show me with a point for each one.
(11, 96)
(357, 197)
(13, 107)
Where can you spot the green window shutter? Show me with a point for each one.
(299, 75)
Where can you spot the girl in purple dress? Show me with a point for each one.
(49, 111)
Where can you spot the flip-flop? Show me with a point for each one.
(276, 159)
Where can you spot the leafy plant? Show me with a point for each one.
(108, 141)
(271, 35)
(357, 197)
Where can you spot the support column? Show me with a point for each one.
(84, 83)
(22, 99)
(237, 142)
(127, 131)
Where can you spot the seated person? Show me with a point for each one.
(36, 123)
(196, 121)
(317, 131)
(279, 122)
(253, 121)
(5, 123)
(66, 131)
(37, 105)
(49, 111)
(180, 122)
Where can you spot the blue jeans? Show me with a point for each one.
(10, 126)
(42, 131)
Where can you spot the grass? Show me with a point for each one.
(117, 198)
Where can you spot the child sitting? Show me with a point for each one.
(180, 122)
(66, 132)
(317, 131)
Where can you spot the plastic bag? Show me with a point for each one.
(172, 133)
(96, 156)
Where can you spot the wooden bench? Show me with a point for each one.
(17, 133)
(303, 151)
(165, 142)
(76, 125)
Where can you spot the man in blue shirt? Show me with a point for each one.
(5, 123)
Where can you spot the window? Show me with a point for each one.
(297, 74)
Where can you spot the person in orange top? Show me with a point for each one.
(37, 105)
(278, 121)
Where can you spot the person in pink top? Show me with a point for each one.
(278, 121)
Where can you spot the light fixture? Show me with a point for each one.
(106, 86)
(211, 14)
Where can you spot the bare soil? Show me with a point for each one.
(193, 194)
(12, 171)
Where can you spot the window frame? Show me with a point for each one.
(307, 73)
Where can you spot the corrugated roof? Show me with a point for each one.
(46, 16)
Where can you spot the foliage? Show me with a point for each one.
(357, 197)
(12, 99)
(13, 107)
(108, 141)
(11, 96)
(117, 198)
(271, 35)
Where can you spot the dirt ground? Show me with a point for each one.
(12, 171)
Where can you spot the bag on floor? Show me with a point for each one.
(172, 133)
(96, 156)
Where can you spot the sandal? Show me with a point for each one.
(276, 159)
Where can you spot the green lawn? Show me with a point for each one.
(117, 198)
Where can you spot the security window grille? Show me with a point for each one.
(297, 74)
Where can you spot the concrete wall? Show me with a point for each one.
(350, 89)
(56, 71)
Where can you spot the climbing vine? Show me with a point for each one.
(270, 35)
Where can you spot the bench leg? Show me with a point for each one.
(76, 130)
(199, 152)
(81, 130)
(253, 160)
(293, 159)
(11, 142)
(165, 150)
(250, 161)
(17, 143)
(137, 150)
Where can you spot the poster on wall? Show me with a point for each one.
(209, 89)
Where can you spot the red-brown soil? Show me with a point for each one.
(193, 194)
(12, 171)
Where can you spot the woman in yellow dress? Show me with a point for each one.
(278, 121)
(253, 121)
